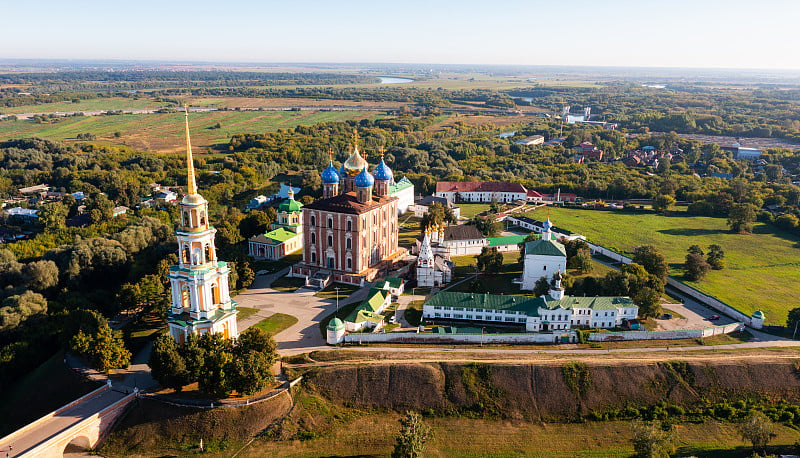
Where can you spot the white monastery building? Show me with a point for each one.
(543, 258)
(480, 191)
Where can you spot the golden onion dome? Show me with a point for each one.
(354, 164)
(193, 199)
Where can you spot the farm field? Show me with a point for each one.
(761, 268)
(111, 103)
(163, 132)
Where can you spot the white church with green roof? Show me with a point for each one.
(543, 258)
(285, 236)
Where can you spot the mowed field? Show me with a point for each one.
(164, 132)
(763, 269)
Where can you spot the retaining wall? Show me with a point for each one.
(665, 335)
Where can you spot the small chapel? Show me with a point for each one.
(201, 301)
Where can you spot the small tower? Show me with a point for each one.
(425, 258)
(757, 320)
(383, 179)
(330, 182)
(363, 183)
(335, 332)
(556, 290)
(547, 235)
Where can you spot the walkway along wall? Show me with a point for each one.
(683, 288)
(536, 338)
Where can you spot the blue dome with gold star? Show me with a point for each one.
(364, 179)
(382, 172)
(330, 175)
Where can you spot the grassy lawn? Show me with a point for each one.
(345, 290)
(245, 312)
(765, 261)
(470, 210)
(372, 434)
(276, 323)
(288, 284)
(500, 283)
(118, 103)
(46, 388)
(139, 333)
(408, 231)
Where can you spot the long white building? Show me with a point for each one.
(480, 191)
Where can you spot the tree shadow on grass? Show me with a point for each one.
(687, 232)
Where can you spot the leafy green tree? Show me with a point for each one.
(651, 259)
(488, 226)
(104, 350)
(695, 268)
(741, 218)
(53, 216)
(167, 364)
(16, 309)
(787, 221)
(649, 302)
(716, 257)
(40, 276)
(256, 222)
(100, 209)
(437, 215)
(792, 318)
(696, 249)
(651, 440)
(490, 260)
(579, 255)
(541, 287)
(414, 434)
(662, 203)
(757, 429)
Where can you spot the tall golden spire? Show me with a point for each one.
(192, 185)
(355, 140)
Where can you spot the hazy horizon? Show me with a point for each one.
(713, 34)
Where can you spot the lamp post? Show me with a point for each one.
(337, 299)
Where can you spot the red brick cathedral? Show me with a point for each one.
(351, 234)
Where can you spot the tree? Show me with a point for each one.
(437, 215)
(741, 218)
(787, 221)
(716, 257)
(167, 364)
(758, 430)
(100, 209)
(40, 275)
(104, 350)
(579, 255)
(792, 318)
(653, 262)
(53, 216)
(696, 249)
(256, 222)
(695, 267)
(490, 260)
(649, 302)
(662, 203)
(488, 226)
(414, 433)
(541, 287)
(18, 308)
(651, 440)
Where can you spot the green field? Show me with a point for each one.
(762, 268)
(164, 132)
(115, 103)
(276, 323)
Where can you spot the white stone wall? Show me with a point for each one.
(538, 266)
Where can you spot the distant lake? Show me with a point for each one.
(507, 134)
(655, 86)
(524, 99)
(393, 80)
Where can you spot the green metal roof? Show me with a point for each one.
(290, 206)
(365, 311)
(758, 314)
(594, 303)
(529, 305)
(336, 324)
(394, 282)
(279, 235)
(545, 248)
(400, 185)
(508, 240)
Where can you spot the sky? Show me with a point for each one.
(645, 33)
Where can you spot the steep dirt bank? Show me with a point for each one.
(150, 424)
(551, 391)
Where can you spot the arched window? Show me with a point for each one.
(349, 264)
(330, 241)
(202, 218)
(348, 243)
(209, 253)
(313, 257)
(349, 225)
(313, 238)
(330, 223)
(313, 221)
(185, 218)
(186, 254)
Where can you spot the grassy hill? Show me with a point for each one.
(762, 268)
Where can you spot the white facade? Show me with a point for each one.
(432, 270)
(483, 197)
(404, 191)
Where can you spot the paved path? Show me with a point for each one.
(301, 304)
(61, 421)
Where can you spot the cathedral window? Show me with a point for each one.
(349, 264)
(313, 237)
(348, 243)
(330, 241)
(349, 225)
(313, 257)
(313, 220)
(330, 223)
